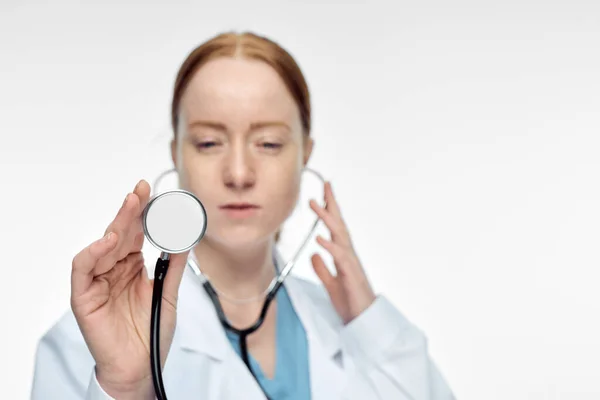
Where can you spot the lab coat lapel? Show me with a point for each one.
(198, 323)
(214, 368)
(322, 325)
(324, 348)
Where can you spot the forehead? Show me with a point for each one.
(238, 91)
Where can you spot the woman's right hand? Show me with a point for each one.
(111, 298)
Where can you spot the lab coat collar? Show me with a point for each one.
(199, 328)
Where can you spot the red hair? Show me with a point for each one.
(247, 45)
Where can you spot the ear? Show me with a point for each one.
(308, 148)
(174, 151)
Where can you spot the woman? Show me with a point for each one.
(241, 118)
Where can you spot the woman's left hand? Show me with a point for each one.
(349, 290)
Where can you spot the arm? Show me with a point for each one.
(64, 368)
(390, 358)
(389, 354)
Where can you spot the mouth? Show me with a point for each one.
(240, 210)
(239, 206)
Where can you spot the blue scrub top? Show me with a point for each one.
(291, 380)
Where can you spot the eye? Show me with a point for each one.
(270, 145)
(206, 144)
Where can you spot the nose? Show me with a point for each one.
(239, 170)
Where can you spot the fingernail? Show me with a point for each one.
(126, 198)
(108, 236)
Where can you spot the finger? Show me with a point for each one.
(102, 255)
(131, 209)
(338, 230)
(138, 242)
(322, 271)
(120, 276)
(324, 215)
(85, 261)
(329, 281)
(142, 190)
(125, 215)
(128, 229)
(173, 279)
(126, 226)
(339, 253)
(332, 204)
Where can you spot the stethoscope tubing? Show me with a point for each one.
(160, 272)
(162, 265)
(243, 333)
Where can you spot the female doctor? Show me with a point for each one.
(241, 119)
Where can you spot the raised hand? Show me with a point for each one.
(349, 290)
(111, 298)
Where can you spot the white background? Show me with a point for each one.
(461, 137)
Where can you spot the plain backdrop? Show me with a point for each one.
(461, 138)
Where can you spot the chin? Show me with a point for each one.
(242, 237)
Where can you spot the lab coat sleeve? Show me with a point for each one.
(95, 391)
(64, 368)
(390, 357)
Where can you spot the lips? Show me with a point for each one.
(239, 206)
(239, 211)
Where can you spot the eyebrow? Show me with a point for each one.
(253, 126)
(207, 124)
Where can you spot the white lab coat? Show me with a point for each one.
(380, 355)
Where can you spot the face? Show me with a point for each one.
(240, 148)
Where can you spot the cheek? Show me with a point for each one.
(283, 192)
(197, 177)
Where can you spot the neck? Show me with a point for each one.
(238, 273)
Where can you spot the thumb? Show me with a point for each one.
(174, 275)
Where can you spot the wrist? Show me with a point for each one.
(123, 390)
(362, 301)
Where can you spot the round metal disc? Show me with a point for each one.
(174, 221)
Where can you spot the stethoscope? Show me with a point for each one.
(174, 222)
